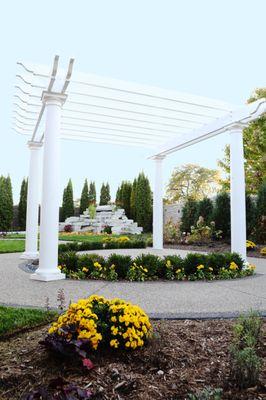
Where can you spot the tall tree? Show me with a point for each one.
(84, 199)
(133, 200)
(254, 140)
(68, 202)
(192, 181)
(189, 215)
(22, 205)
(6, 204)
(250, 215)
(221, 213)
(92, 193)
(105, 194)
(124, 197)
(205, 210)
(143, 203)
(118, 197)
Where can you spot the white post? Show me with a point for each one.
(237, 191)
(31, 245)
(48, 264)
(158, 205)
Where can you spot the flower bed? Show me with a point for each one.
(151, 267)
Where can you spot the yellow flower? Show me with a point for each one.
(210, 269)
(199, 267)
(114, 343)
(233, 266)
(178, 271)
(84, 269)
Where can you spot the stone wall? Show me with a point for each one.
(172, 212)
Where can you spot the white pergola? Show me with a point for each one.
(64, 104)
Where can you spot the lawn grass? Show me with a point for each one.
(11, 246)
(15, 236)
(14, 319)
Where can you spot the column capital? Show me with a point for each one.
(53, 98)
(34, 145)
(159, 158)
(238, 126)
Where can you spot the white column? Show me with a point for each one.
(48, 263)
(237, 192)
(31, 245)
(158, 205)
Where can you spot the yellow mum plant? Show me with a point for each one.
(97, 321)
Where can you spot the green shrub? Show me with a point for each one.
(245, 362)
(191, 261)
(152, 263)
(189, 215)
(217, 261)
(221, 214)
(234, 257)
(69, 259)
(122, 264)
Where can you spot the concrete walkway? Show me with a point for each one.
(159, 299)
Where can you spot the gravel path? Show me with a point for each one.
(159, 299)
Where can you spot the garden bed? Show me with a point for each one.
(219, 246)
(185, 356)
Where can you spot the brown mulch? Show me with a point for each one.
(184, 356)
(215, 247)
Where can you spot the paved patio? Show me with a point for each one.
(159, 299)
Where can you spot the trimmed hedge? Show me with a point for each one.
(149, 267)
(83, 246)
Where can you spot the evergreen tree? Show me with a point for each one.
(250, 215)
(92, 193)
(143, 203)
(68, 202)
(133, 200)
(205, 210)
(105, 194)
(118, 197)
(84, 199)
(124, 197)
(189, 215)
(221, 213)
(260, 232)
(22, 206)
(6, 204)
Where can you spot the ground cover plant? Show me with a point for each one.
(151, 267)
(186, 359)
(14, 319)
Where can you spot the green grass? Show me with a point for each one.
(16, 236)
(14, 319)
(12, 246)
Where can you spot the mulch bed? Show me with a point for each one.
(184, 356)
(216, 247)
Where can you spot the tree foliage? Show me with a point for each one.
(189, 215)
(123, 196)
(84, 199)
(254, 140)
(143, 203)
(92, 193)
(133, 200)
(221, 213)
(205, 210)
(6, 204)
(192, 181)
(105, 196)
(260, 226)
(67, 209)
(22, 206)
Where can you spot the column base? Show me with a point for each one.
(47, 276)
(30, 255)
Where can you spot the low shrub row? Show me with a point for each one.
(150, 267)
(83, 246)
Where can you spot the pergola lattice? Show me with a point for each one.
(65, 104)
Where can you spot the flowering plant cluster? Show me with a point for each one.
(263, 251)
(114, 239)
(150, 267)
(250, 245)
(99, 322)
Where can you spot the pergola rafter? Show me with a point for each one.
(96, 109)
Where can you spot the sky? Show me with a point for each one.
(213, 48)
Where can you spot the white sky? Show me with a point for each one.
(213, 48)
